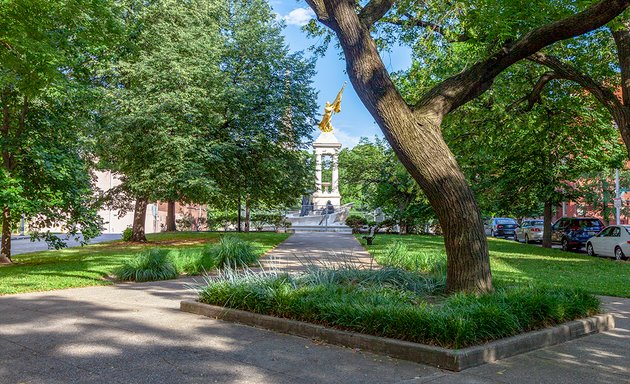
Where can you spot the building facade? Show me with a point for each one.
(189, 216)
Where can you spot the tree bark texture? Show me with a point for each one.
(139, 217)
(547, 212)
(622, 115)
(171, 225)
(5, 250)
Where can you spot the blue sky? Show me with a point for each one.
(354, 121)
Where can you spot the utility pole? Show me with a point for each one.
(617, 198)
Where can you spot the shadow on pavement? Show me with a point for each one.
(135, 333)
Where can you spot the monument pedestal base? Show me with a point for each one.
(320, 200)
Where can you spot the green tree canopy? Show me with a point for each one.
(49, 51)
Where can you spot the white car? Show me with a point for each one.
(612, 241)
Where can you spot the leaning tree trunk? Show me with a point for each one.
(621, 113)
(416, 138)
(546, 243)
(139, 218)
(432, 164)
(5, 252)
(170, 217)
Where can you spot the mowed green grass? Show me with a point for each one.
(93, 264)
(512, 262)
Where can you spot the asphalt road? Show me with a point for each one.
(26, 245)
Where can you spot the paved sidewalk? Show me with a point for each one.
(322, 249)
(135, 333)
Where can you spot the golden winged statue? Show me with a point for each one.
(329, 110)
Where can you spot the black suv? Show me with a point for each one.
(572, 232)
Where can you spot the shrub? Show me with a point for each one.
(127, 234)
(186, 223)
(389, 303)
(231, 252)
(149, 265)
(388, 224)
(221, 220)
(355, 222)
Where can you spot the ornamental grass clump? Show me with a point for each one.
(232, 252)
(398, 304)
(193, 261)
(149, 265)
(397, 255)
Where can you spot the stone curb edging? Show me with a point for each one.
(450, 359)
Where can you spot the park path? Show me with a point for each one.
(135, 333)
(317, 249)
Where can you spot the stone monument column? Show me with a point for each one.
(335, 172)
(326, 145)
(318, 172)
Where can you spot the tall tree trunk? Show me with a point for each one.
(546, 243)
(238, 216)
(5, 251)
(139, 218)
(621, 114)
(247, 213)
(170, 217)
(468, 264)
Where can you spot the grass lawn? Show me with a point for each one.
(90, 265)
(513, 262)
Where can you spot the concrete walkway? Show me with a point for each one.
(318, 249)
(134, 333)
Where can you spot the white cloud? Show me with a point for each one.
(299, 16)
(347, 140)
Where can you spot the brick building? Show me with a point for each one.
(155, 220)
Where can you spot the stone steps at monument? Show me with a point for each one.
(320, 228)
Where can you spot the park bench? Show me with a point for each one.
(369, 237)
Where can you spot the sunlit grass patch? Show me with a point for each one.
(516, 263)
(93, 264)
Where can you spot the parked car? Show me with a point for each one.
(529, 231)
(613, 241)
(573, 232)
(501, 227)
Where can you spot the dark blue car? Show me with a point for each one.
(573, 232)
(501, 227)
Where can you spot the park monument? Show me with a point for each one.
(326, 149)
